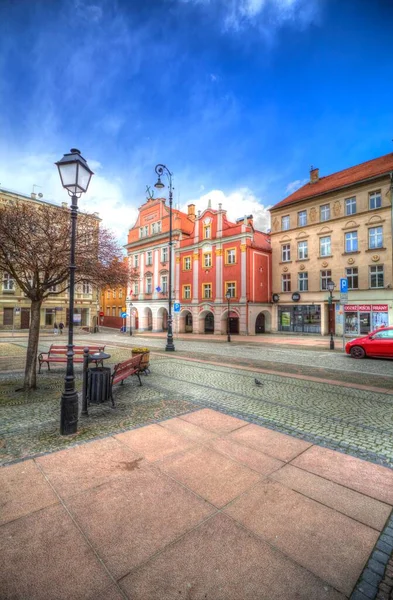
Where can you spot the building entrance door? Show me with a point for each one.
(25, 318)
(364, 323)
(260, 324)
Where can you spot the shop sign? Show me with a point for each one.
(296, 296)
(366, 307)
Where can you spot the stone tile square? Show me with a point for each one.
(329, 544)
(281, 446)
(88, 465)
(129, 519)
(262, 463)
(219, 560)
(212, 420)
(210, 474)
(362, 508)
(364, 477)
(154, 442)
(44, 556)
(23, 490)
(188, 430)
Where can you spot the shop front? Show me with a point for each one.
(360, 319)
(300, 318)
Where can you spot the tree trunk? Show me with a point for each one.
(30, 382)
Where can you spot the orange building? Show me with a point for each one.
(211, 256)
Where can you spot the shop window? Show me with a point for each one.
(325, 212)
(302, 250)
(285, 223)
(375, 238)
(350, 206)
(376, 276)
(286, 253)
(303, 282)
(351, 241)
(326, 276)
(302, 218)
(353, 278)
(375, 200)
(286, 282)
(325, 246)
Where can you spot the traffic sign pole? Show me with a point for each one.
(343, 301)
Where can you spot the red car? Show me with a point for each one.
(378, 343)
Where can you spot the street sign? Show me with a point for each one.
(176, 307)
(343, 285)
(344, 298)
(17, 309)
(124, 315)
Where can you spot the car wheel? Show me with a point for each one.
(357, 352)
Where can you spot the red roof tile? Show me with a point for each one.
(366, 170)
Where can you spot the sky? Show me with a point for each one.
(238, 98)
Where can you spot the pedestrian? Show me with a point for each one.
(61, 327)
(55, 328)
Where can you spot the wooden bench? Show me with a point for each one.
(58, 354)
(125, 369)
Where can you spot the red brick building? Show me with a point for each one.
(211, 256)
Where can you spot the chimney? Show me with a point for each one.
(219, 206)
(191, 211)
(209, 204)
(64, 205)
(33, 195)
(314, 175)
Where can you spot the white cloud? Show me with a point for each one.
(295, 185)
(238, 203)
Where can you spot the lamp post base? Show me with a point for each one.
(69, 413)
(170, 347)
(331, 343)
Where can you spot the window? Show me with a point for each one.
(164, 284)
(186, 292)
(383, 335)
(136, 260)
(164, 255)
(120, 293)
(286, 282)
(206, 290)
(353, 278)
(302, 250)
(207, 232)
(108, 311)
(286, 253)
(230, 256)
(302, 218)
(114, 311)
(375, 200)
(351, 241)
(8, 316)
(8, 283)
(114, 294)
(136, 288)
(187, 263)
(148, 285)
(149, 258)
(324, 246)
(230, 286)
(285, 223)
(303, 282)
(375, 239)
(207, 259)
(326, 276)
(144, 231)
(156, 227)
(325, 212)
(350, 206)
(376, 276)
(108, 295)
(53, 288)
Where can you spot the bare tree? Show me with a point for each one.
(35, 251)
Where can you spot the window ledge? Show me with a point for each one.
(285, 262)
(353, 252)
(326, 256)
(301, 259)
(375, 249)
(10, 292)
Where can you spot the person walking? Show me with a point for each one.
(61, 327)
(55, 328)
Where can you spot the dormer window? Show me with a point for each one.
(207, 232)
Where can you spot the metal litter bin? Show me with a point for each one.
(98, 385)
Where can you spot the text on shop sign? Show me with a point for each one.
(366, 307)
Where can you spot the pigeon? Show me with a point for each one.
(257, 382)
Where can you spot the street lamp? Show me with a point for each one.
(330, 286)
(160, 170)
(130, 309)
(228, 297)
(75, 176)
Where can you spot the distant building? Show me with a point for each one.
(211, 256)
(336, 226)
(15, 306)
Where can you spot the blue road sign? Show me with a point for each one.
(124, 315)
(176, 307)
(343, 285)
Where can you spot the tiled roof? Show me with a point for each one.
(366, 170)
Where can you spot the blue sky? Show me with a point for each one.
(237, 97)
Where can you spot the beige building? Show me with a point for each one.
(15, 306)
(334, 227)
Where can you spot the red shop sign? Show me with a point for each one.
(366, 307)
(380, 308)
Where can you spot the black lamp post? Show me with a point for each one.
(160, 169)
(228, 297)
(75, 176)
(330, 287)
(130, 309)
